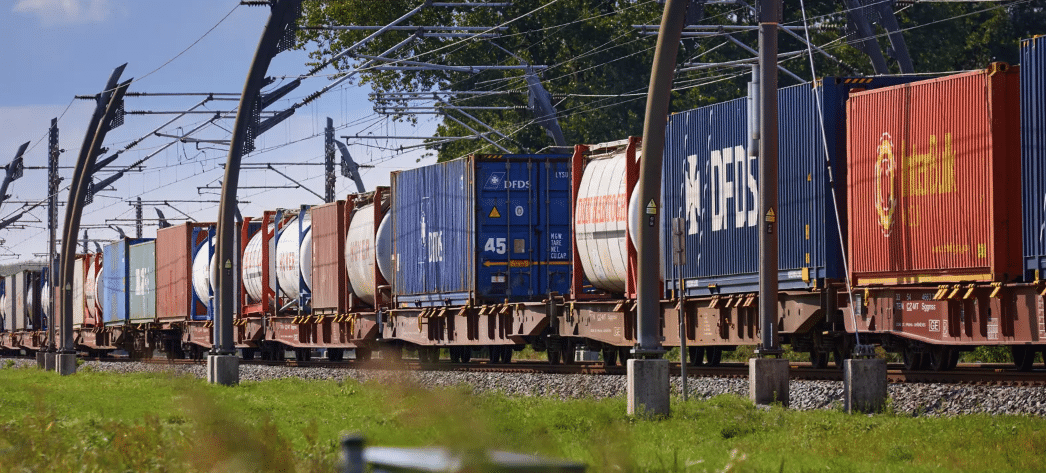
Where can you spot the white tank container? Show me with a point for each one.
(202, 268)
(601, 222)
(3, 306)
(252, 266)
(294, 258)
(99, 289)
(78, 292)
(45, 299)
(383, 244)
(360, 257)
(90, 293)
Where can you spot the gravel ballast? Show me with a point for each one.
(908, 398)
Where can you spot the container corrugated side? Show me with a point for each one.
(79, 275)
(460, 221)
(522, 226)
(329, 289)
(174, 253)
(711, 181)
(142, 264)
(1033, 155)
(933, 193)
(21, 308)
(116, 280)
(433, 218)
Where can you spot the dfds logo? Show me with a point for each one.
(497, 181)
(885, 173)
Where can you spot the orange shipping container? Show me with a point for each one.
(329, 288)
(934, 189)
(174, 255)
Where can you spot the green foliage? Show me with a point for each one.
(600, 65)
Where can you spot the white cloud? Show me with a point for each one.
(55, 12)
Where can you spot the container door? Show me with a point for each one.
(142, 282)
(510, 252)
(555, 226)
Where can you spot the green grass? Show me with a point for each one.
(156, 422)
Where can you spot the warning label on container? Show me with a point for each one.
(494, 213)
(651, 208)
(771, 216)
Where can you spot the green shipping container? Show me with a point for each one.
(143, 282)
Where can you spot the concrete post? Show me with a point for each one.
(223, 369)
(65, 363)
(647, 396)
(864, 385)
(768, 381)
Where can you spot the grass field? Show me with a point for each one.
(156, 422)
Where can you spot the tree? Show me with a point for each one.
(599, 65)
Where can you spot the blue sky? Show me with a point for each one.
(56, 49)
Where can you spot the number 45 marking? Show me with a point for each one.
(496, 245)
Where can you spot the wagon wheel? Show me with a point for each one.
(696, 355)
(553, 353)
(248, 353)
(335, 354)
(940, 357)
(1023, 357)
(624, 354)
(506, 354)
(954, 360)
(455, 354)
(566, 349)
(609, 356)
(818, 359)
(912, 359)
(466, 354)
(363, 354)
(714, 355)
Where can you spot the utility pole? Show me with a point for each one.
(768, 374)
(106, 106)
(52, 223)
(138, 218)
(328, 160)
(222, 364)
(647, 372)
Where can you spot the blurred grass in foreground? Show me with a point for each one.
(158, 422)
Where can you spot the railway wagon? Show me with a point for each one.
(710, 178)
(117, 283)
(480, 250)
(351, 264)
(277, 312)
(935, 219)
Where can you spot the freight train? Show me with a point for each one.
(910, 214)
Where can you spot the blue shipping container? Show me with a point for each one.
(709, 179)
(483, 229)
(116, 280)
(1033, 154)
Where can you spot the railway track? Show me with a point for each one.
(965, 374)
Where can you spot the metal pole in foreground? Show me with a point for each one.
(769, 17)
(65, 362)
(223, 366)
(768, 377)
(52, 222)
(648, 373)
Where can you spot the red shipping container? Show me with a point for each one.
(934, 190)
(174, 270)
(329, 288)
